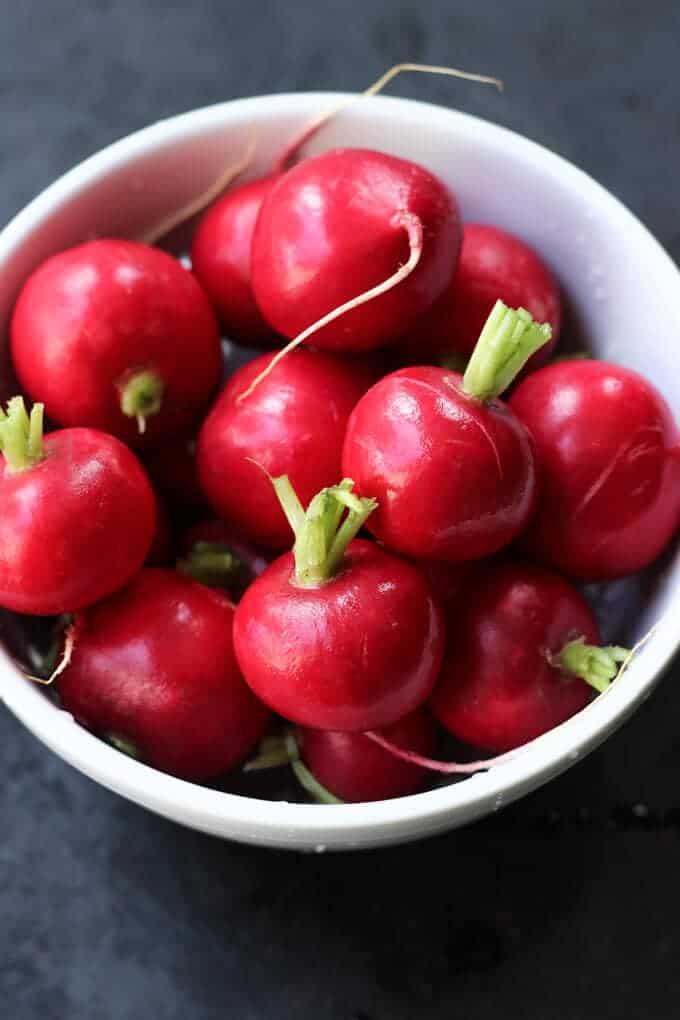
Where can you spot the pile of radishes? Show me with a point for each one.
(351, 546)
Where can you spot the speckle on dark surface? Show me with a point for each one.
(565, 906)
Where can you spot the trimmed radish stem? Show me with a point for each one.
(507, 341)
(597, 665)
(322, 118)
(211, 563)
(321, 536)
(141, 395)
(206, 198)
(276, 751)
(21, 435)
(414, 230)
(123, 745)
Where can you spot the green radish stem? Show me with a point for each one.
(276, 751)
(141, 396)
(598, 666)
(124, 745)
(508, 339)
(21, 435)
(211, 563)
(324, 530)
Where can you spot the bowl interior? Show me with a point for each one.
(622, 292)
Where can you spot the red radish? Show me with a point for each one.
(78, 514)
(160, 553)
(493, 264)
(340, 224)
(356, 769)
(449, 464)
(153, 670)
(522, 645)
(220, 256)
(609, 452)
(173, 470)
(222, 245)
(214, 554)
(335, 635)
(293, 423)
(117, 336)
(334, 766)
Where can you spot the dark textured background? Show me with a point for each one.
(564, 907)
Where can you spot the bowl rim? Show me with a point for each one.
(279, 822)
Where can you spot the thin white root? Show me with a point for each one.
(414, 229)
(320, 119)
(636, 648)
(434, 765)
(206, 198)
(66, 655)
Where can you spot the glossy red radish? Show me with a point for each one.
(523, 657)
(450, 465)
(78, 514)
(356, 769)
(118, 336)
(293, 423)
(222, 245)
(334, 766)
(153, 671)
(339, 634)
(342, 223)
(493, 264)
(220, 257)
(609, 455)
(214, 554)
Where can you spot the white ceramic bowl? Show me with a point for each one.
(623, 288)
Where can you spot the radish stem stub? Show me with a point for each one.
(324, 530)
(21, 435)
(507, 341)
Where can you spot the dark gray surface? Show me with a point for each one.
(565, 906)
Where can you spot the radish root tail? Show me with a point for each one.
(64, 661)
(317, 122)
(202, 201)
(413, 227)
(433, 764)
